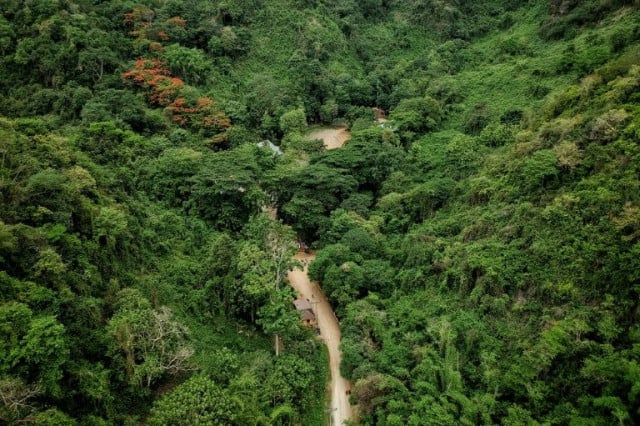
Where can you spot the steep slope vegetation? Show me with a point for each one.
(480, 248)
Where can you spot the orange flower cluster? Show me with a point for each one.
(180, 111)
(138, 16)
(204, 115)
(150, 33)
(154, 76)
(162, 89)
(177, 21)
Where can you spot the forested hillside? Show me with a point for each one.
(481, 247)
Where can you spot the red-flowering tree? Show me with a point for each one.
(163, 89)
(155, 78)
(150, 33)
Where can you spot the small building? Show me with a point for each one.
(302, 304)
(306, 312)
(270, 145)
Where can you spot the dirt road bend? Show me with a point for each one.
(330, 333)
(333, 138)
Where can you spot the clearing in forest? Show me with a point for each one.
(333, 137)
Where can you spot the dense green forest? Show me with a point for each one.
(481, 248)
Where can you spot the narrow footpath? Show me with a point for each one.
(329, 333)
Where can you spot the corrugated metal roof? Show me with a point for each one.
(302, 304)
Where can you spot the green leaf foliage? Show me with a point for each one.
(197, 401)
(478, 234)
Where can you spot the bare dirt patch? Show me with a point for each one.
(332, 137)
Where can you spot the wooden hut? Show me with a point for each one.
(306, 312)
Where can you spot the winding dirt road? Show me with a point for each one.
(327, 322)
(332, 137)
(329, 332)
